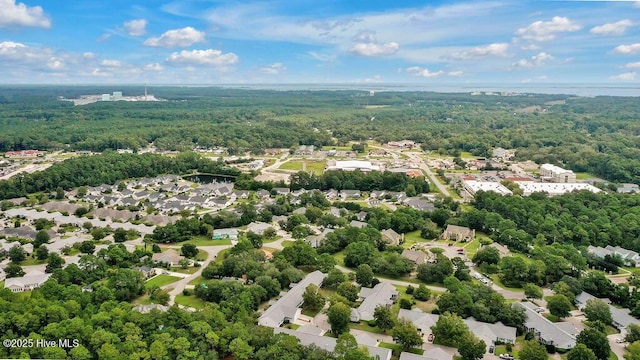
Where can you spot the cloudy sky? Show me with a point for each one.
(312, 41)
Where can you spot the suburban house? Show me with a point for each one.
(458, 233)
(419, 204)
(170, 257)
(391, 237)
(489, 333)
(146, 271)
(350, 194)
(629, 257)
(228, 233)
(358, 224)
(381, 294)
(621, 317)
(281, 191)
(418, 257)
(287, 308)
(560, 335)
(317, 240)
(145, 309)
(328, 343)
(28, 282)
(258, 227)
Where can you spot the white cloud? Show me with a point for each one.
(616, 28)
(273, 69)
(322, 57)
(530, 47)
(634, 65)
(547, 30)
(455, 73)
(19, 14)
(10, 48)
(532, 62)
(423, 72)
(89, 55)
(177, 38)
(365, 36)
(373, 49)
(497, 49)
(137, 27)
(637, 4)
(628, 49)
(103, 38)
(625, 76)
(209, 57)
(111, 63)
(153, 67)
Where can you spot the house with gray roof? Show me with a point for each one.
(621, 317)
(549, 333)
(629, 257)
(58, 245)
(170, 257)
(391, 237)
(345, 194)
(418, 203)
(258, 227)
(23, 232)
(287, 308)
(145, 309)
(32, 280)
(381, 294)
(416, 256)
(358, 224)
(317, 240)
(458, 233)
(328, 343)
(431, 354)
(281, 191)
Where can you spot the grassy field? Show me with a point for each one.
(339, 256)
(190, 301)
(205, 241)
(365, 327)
(584, 176)
(496, 280)
(312, 166)
(397, 349)
(197, 281)
(29, 261)
(161, 280)
(189, 270)
(472, 247)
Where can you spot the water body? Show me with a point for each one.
(209, 178)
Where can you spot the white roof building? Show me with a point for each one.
(553, 189)
(554, 173)
(350, 165)
(473, 186)
(30, 281)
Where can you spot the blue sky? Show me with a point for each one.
(310, 41)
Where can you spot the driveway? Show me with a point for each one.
(618, 349)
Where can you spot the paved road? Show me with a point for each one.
(618, 349)
(423, 166)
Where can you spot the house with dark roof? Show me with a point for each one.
(560, 335)
(358, 224)
(416, 256)
(381, 294)
(391, 237)
(170, 257)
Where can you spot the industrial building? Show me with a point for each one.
(553, 189)
(351, 165)
(556, 174)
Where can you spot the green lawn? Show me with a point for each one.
(29, 261)
(397, 349)
(190, 301)
(584, 176)
(309, 312)
(365, 327)
(197, 281)
(202, 255)
(411, 238)
(472, 247)
(496, 280)
(340, 148)
(189, 270)
(202, 240)
(312, 166)
(339, 256)
(287, 243)
(161, 280)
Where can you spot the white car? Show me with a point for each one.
(620, 341)
(507, 356)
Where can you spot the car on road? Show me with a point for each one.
(620, 341)
(507, 356)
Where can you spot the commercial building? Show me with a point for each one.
(553, 189)
(473, 186)
(552, 173)
(351, 165)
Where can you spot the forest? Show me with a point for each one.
(598, 135)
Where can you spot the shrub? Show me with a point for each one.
(187, 292)
(409, 290)
(371, 323)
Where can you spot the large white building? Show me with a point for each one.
(350, 165)
(556, 174)
(473, 186)
(553, 189)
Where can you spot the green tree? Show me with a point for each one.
(334, 278)
(383, 317)
(82, 191)
(422, 293)
(596, 341)
(98, 233)
(255, 239)
(189, 250)
(559, 305)
(338, 316)
(406, 334)
(364, 275)
(42, 253)
(532, 291)
(17, 254)
(87, 247)
(533, 350)
(598, 310)
(348, 290)
(471, 348)
(13, 270)
(487, 255)
(633, 333)
(581, 352)
(312, 298)
(54, 261)
(633, 351)
(42, 237)
(449, 330)
(120, 235)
